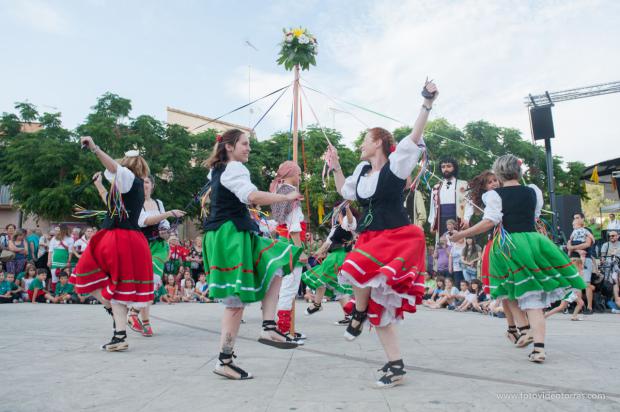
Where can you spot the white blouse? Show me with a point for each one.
(236, 178)
(144, 214)
(493, 204)
(124, 178)
(349, 227)
(402, 162)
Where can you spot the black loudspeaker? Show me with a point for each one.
(542, 122)
(567, 206)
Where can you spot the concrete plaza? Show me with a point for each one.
(51, 361)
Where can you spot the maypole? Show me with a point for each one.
(298, 51)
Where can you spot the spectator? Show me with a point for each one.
(79, 246)
(430, 260)
(29, 275)
(171, 291)
(59, 256)
(442, 258)
(614, 224)
(440, 286)
(195, 258)
(7, 236)
(44, 243)
(455, 260)
(33, 244)
(29, 270)
(611, 247)
(472, 253)
(580, 250)
(37, 293)
(451, 228)
(18, 246)
(446, 297)
(189, 295)
(64, 292)
(202, 289)
(10, 292)
(461, 296)
(429, 285)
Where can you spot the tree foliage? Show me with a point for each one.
(49, 173)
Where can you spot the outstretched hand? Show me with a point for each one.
(293, 196)
(87, 142)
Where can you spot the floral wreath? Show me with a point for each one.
(298, 47)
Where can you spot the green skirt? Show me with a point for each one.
(242, 264)
(160, 250)
(60, 257)
(532, 270)
(326, 275)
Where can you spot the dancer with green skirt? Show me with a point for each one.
(242, 267)
(525, 267)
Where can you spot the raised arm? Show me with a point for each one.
(107, 162)
(427, 105)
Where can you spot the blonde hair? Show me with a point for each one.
(507, 167)
(137, 165)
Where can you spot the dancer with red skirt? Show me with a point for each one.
(116, 266)
(385, 267)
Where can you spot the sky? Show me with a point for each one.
(485, 57)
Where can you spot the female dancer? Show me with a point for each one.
(155, 227)
(242, 267)
(323, 279)
(526, 268)
(116, 266)
(518, 326)
(386, 265)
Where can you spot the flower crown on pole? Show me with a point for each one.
(298, 47)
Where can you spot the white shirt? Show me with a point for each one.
(493, 205)
(43, 246)
(447, 193)
(55, 244)
(124, 178)
(80, 245)
(236, 178)
(349, 227)
(402, 162)
(613, 225)
(164, 224)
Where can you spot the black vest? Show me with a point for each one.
(152, 232)
(518, 208)
(225, 206)
(341, 238)
(385, 206)
(133, 200)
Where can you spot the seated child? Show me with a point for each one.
(188, 290)
(37, 293)
(202, 289)
(9, 291)
(64, 291)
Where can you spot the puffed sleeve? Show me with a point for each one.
(405, 157)
(539, 200)
(124, 178)
(294, 219)
(236, 178)
(493, 206)
(469, 211)
(349, 227)
(350, 183)
(142, 218)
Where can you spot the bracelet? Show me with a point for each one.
(337, 170)
(427, 108)
(94, 149)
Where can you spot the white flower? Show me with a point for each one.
(303, 39)
(288, 38)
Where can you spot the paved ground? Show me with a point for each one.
(458, 362)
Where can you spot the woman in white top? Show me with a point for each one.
(385, 267)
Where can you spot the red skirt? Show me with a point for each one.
(390, 262)
(484, 267)
(118, 262)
